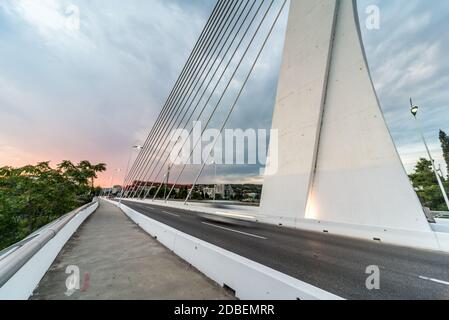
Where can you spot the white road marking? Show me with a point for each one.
(235, 215)
(154, 209)
(142, 206)
(434, 280)
(236, 231)
(172, 214)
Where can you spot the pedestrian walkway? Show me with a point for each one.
(117, 260)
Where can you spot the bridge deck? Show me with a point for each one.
(332, 263)
(119, 261)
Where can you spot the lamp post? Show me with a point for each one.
(136, 147)
(215, 178)
(110, 189)
(112, 181)
(167, 179)
(414, 110)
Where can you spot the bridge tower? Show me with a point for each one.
(336, 161)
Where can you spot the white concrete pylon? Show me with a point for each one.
(336, 159)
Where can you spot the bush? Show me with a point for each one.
(33, 196)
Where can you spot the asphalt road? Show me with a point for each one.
(333, 263)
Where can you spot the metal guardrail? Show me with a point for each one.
(12, 259)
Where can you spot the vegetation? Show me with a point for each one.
(444, 139)
(426, 186)
(425, 182)
(33, 196)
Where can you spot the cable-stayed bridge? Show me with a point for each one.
(338, 216)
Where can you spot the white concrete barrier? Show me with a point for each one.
(249, 280)
(22, 284)
(436, 239)
(203, 207)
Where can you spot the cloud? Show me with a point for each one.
(92, 92)
(45, 15)
(407, 58)
(88, 93)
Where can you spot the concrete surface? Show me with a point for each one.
(117, 260)
(332, 263)
(335, 160)
(436, 240)
(247, 279)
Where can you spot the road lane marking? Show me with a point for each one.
(235, 215)
(236, 231)
(434, 280)
(172, 214)
(142, 205)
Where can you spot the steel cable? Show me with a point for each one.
(179, 125)
(163, 129)
(214, 89)
(236, 101)
(198, 56)
(181, 78)
(224, 92)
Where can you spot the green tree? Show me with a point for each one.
(182, 193)
(426, 186)
(33, 196)
(444, 138)
(82, 174)
(91, 170)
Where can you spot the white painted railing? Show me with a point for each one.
(23, 265)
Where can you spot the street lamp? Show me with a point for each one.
(167, 179)
(414, 110)
(112, 181)
(215, 178)
(136, 147)
(110, 189)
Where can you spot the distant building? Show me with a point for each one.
(210, 192)
(220, 189)
(229, 192)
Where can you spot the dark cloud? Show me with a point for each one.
(94, 92)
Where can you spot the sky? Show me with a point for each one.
(91, 90)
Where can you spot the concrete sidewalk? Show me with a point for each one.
(117, 260)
